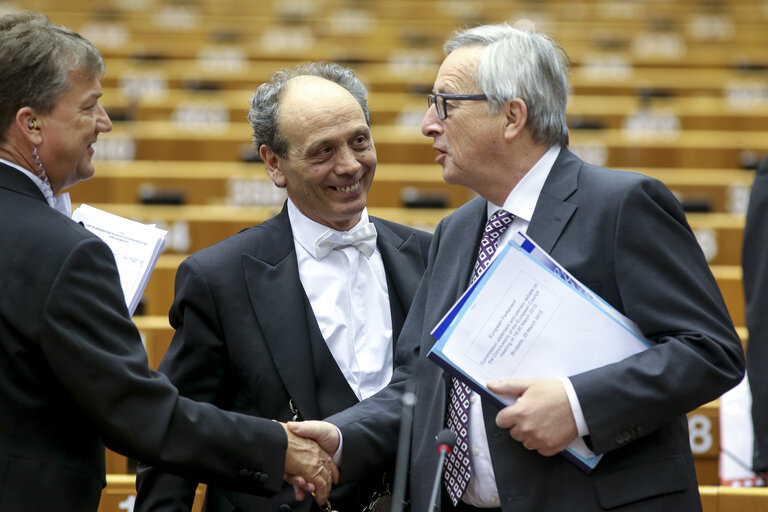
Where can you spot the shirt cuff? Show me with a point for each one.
(578, 414)
(337, 456)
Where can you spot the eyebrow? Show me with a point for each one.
(90, 98)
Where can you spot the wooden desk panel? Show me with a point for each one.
(390, 108)
(247, 184)
(704, 149)
(120, 493)
(733, 499)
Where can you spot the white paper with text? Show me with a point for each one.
(136, 247)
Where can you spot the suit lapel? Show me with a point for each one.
(451, 278)
(400, 259)
(472, 227)
(552, 212)
(279, 302)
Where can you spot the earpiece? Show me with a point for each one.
(32, 124)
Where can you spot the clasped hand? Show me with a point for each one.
(308, 467)
(541, 419)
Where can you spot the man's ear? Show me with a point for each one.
(272, 161)
(516, 114)
(28, 125)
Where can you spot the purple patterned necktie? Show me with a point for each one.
(457, 464)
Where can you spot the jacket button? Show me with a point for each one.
(263, 478)
(243, 473)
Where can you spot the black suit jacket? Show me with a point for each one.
(246, 340)
(625, 236)
(755, 279)
(74, 376)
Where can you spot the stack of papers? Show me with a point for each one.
(136, 247)
(526, 316)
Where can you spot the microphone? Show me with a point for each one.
(445, 441)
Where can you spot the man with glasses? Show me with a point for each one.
(497, 117)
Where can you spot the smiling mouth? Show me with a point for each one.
(349, 188)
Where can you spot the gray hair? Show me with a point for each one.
(264, 113)
(526, 65)
(36, 60)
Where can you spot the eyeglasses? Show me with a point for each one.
(441, 101)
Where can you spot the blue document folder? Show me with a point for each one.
(526, 316)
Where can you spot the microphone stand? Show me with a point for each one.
(445, 441)
(403, 446)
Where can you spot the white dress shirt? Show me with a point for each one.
(61, 203)
(349, 297)
(482, 491)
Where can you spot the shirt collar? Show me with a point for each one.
(521, 201)
(306, 231)
(61, 203)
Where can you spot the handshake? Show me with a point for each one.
(309, 465)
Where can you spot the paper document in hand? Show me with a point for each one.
(526, 316)
(136, 247)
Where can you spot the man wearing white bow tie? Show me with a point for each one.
(296, 317)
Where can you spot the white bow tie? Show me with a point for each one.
(362, 238)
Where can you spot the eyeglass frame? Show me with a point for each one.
(432, 100)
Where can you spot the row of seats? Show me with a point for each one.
(566, 18)
(195, 227)
(247, 184)
(242, 40)
(409, 185)
(420, 9)
(664, 33)
(167, 140)
(159, 292)
(631, 112)
(416, 72)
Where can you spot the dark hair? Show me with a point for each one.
(36, 61)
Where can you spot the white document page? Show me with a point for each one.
(136, 247)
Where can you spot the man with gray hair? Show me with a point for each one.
(74, 375)
(295, 318)
(497, 117)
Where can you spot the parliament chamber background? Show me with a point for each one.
(675, 89)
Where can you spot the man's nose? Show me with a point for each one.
(347, 161)
(430, 125)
